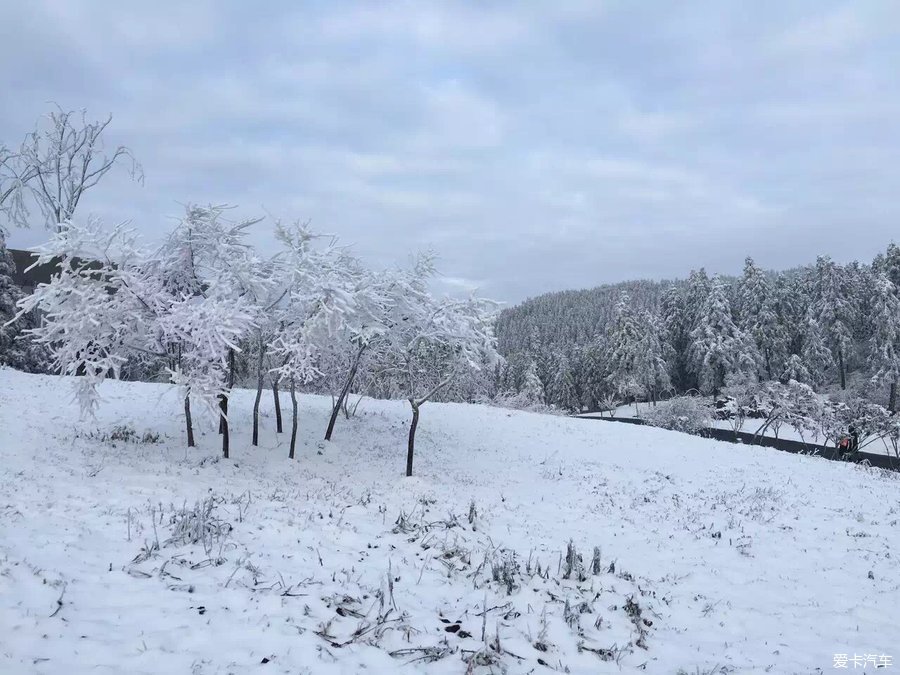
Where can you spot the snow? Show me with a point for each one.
(742, 558)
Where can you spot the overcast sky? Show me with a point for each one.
(535, 146)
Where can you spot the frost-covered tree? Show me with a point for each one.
(803, 409)
(99, 310)
(214, 280)
(333, 305)
(718, 347)
(532, 389)
(59, 162)
(113, 301)
(869, 421)
(758, 317)
(884, 343)
(653, 364)
(564, 386)
(677, 333)
(795, 369)
(815, 354)
(13, 189)
(626, 342)
(372, 298)
(793, 403)
(428, 342)
(593, 373)
(888, 264)
(635, 359)
(832, 309)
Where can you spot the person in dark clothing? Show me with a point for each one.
(843, 446)
(848, 446)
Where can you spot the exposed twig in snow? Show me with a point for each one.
(59, 600)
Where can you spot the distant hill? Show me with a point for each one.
(566, 319)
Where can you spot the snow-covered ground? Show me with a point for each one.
(726, 558)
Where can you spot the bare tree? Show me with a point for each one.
(59, 161)
(13, 182)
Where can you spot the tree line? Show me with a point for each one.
(826, 325)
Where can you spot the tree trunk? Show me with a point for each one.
(293, 419)
(336, 410)
(188, 423)
(278, 428)
(841, 364)
(768, 363)
(230, 385)
(223, 423)
(259, 389)
(412, 438)
(260, 382)
(223, 405)
(892, 402)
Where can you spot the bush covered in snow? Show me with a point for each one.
(688, 414)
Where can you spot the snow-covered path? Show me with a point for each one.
(744, 558)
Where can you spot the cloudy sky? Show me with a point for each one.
(535, 146)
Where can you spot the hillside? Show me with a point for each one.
(570, 318)
(712, 557)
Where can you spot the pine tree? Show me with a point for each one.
(532, 387)
(653, 357)
(794, 369)
(623, 355)
(758, 316)
(832, 309)
(791, 299)
(636, 353)
(677, 335)
(884, 344)
(815, 355)
(697, 291)
(595, 372)
(718, 347)
(888, 264)
(563, 388)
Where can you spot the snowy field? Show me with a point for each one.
(137, 556)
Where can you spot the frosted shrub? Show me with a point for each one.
(688, 414)
(199, 525)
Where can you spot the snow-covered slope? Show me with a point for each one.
(712, 557)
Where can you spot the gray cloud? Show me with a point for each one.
(534, 147)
